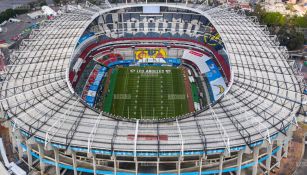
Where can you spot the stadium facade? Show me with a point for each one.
(245, 129)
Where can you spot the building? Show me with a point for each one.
(250, 122)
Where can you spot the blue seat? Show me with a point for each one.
(176, 35)
(177, 16)
(109, 18)
(204, 20)
(168, 17)
(153, 35)
(135, 16)
(166, 35)
(110, 26)
(151, 25)
(186, 18)
(103, 37)
(140, 34)
(126, 16)
(185, 36)
(128, 35)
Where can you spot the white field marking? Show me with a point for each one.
(125, 88)
(176, 96)
(122, 96)
(173, 92)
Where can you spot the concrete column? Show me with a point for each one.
(2, 114)
(200, 165)
(94, 164)
(29, 155)
(179, 166)
(12, 136)
(158, 165)
(18, 141)
(136, 166)
(221, 164)
(20, 150)
(278, 154)
(239, 162)
(286, 147)
(268, 161)
(41, 156)
(57, 160)
(74, 162)
(115, 165)
(255, 157)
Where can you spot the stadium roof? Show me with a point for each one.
(262, 101)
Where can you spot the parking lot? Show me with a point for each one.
(12, 30)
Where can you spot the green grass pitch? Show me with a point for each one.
(149, 93)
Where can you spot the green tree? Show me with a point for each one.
(283, 26)
(7, 14)
(274, 19)
(57, 1)
(259, 12)
(300, 21)
(290, 38)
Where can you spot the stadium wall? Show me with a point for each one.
(259, 157)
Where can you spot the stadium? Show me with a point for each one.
(151, 88)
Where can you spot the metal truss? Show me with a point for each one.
(221, 130)
(262, 101)
(58, 123)
(93, 133)
(255, 123)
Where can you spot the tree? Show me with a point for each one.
(274, 19)
(300, 21)
(290, 38)
(283, 26)
(259, 12)
(57, 1)
(7, 14)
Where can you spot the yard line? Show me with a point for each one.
(125, 87)
(145, 95)
(172, 84)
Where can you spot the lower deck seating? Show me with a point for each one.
(109, 58)
(91, 78)
(83, 77)
(94, 86)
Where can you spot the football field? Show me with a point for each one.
(149, 93)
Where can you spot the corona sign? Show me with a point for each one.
(150, 53)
